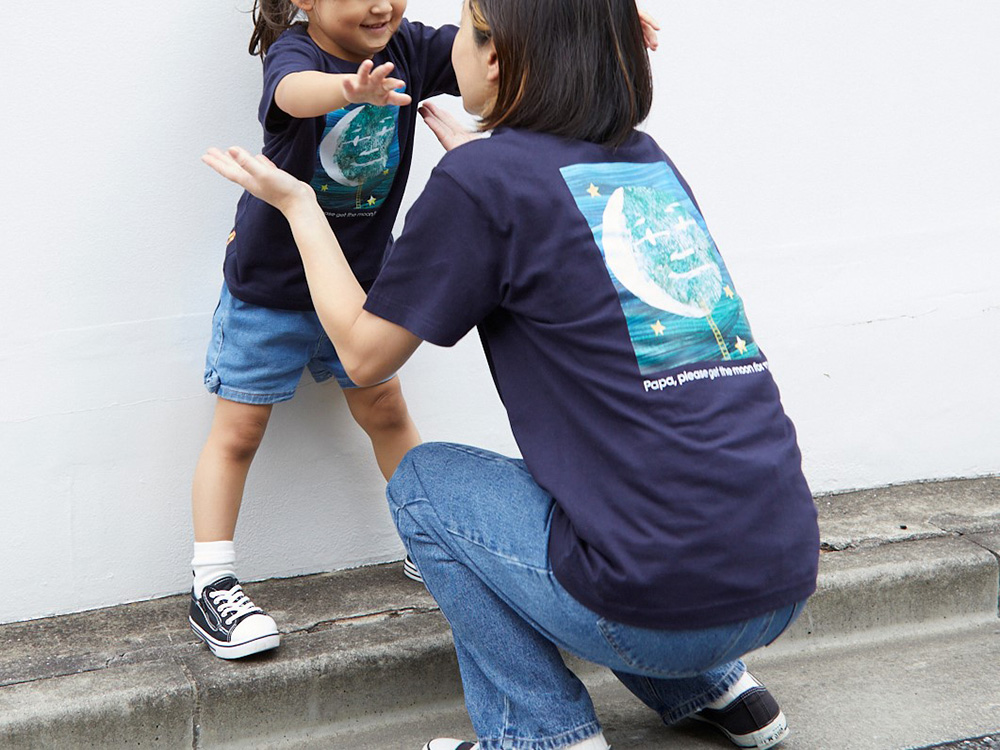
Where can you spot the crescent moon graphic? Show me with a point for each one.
(329, 146)
(619, 253)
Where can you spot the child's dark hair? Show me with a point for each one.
(270, 19)
(576, 69)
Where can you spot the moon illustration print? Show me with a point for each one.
(673, 287)
(359, 152)
(660, 254)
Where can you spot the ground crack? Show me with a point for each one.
(385, 614)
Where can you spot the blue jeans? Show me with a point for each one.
(477, 526)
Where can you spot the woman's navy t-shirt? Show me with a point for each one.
(356, 158)
(635, 389)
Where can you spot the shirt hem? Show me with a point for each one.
(672, 618)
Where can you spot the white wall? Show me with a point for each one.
(845, 157)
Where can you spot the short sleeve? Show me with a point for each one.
(433, 50)
(446, 272)
(291, 53)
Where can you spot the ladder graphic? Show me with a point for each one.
(718, 334)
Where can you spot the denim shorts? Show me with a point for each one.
(257, 354)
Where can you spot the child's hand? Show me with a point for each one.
(259, 176)
(448, 130)
(371, 85)
(649, 29)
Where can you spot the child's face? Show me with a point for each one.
(354, 29)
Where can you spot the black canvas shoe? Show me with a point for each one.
(446, 743)
(230, 624)
(750, 719)
(410, 570)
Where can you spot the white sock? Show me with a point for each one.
(743, 684)
(597, 742)
(211, 561)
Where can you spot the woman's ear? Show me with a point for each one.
(492, 63)
(303, 5)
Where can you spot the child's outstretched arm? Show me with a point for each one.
(370, 348)
(310, 93)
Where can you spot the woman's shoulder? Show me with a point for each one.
(501, 148)
(510, 150)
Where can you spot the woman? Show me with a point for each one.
(659, 522)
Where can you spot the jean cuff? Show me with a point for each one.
(698, 702)
(553, 742)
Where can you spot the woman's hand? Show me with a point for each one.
(371, 85)
(649, 29)
(447, 128)
(260, 177)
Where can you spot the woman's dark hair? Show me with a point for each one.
(270, 19)
(575, 68)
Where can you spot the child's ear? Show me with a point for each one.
(304, 5)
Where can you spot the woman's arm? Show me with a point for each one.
(370, 348)
(310, 93)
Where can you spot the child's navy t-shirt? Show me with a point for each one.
(635, 388)
(357, 159)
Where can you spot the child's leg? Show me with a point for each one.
(221, 474)
(381, 412)
(221, 614)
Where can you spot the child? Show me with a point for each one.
(333, 116)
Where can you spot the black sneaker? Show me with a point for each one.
(230, 624)
(446, 743)
(751, 719)
(410, 570)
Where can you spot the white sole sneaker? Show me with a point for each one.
(750, 718)
(447, 743)
(237, 650)
(764, 737)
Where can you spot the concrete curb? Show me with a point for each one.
(364, 645)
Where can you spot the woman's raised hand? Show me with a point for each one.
(649, 29)
(446, 127)
(259, 176)
(371, 85)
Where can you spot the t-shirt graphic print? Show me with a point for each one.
(677, 296)
(357, 159)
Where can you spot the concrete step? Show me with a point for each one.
(885, 694)
(907, 604)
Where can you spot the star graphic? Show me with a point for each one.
(324, 188)
(741, 345)
(729, 291)
(385, 171)
(658, 328)
(372, 201)
(594, 190)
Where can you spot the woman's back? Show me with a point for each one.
(634, 386)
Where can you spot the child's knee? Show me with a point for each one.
(240, 437)
(381, 411)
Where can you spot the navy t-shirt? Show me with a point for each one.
(356, 158)
(635, 388)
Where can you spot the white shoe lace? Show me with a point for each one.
(233, 603)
